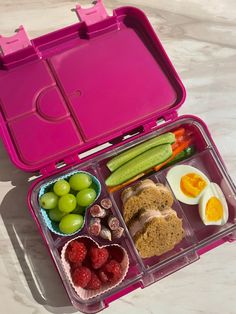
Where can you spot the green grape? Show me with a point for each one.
(80, 181)
(61, 187)
(55, 214)
(86, 197)
(67, 203)
(48, 200)
(79, 210)
(71, 223)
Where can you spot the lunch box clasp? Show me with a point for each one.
(92, 15)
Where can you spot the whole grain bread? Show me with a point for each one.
(145, 195)
(159, 234)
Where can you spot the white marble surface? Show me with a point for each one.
(200, 38)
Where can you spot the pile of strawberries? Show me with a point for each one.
(93, 267)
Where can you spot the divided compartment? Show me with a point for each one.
(56, 242)
(201, 140)
(209, 163)
(186, 245)
(47, 187)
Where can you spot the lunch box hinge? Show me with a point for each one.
(170, 116)
(151, 125)
(166, 118)
(16, 49)
(70, 160)
(48, 169)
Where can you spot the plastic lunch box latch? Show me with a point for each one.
(16, 48)
(14, 43)
(92, 15)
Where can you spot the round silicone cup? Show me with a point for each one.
(54, 226)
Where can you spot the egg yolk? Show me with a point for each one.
(192, 184)
(214, 209)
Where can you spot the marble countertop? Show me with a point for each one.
(200, 39)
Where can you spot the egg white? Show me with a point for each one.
(174, 176)
(213, 189)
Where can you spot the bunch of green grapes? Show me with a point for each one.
(67, 202)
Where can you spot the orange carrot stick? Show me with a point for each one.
(174, 146)
(179, 132)
(178, 150)
(179, 141)
(179, 137)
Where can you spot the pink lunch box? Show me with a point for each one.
(103, 83)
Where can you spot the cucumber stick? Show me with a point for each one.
(119, 160)
(142, 162)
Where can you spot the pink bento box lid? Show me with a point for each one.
(71, 90)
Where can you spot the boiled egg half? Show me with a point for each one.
(187, 183)
(213, 208)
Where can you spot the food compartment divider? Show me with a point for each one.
(118, 214)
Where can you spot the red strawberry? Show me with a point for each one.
(81, 276)
(76, 252)
(94, 283)
(102, 276)
(98, 257)
(113, 270)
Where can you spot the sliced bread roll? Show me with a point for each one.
(145, 195)
(156, 232)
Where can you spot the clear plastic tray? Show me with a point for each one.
(143, 272)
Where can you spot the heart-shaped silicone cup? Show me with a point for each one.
(54, 226)
(88, 294)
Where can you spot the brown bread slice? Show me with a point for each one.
(159, 234)
(145, 195)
